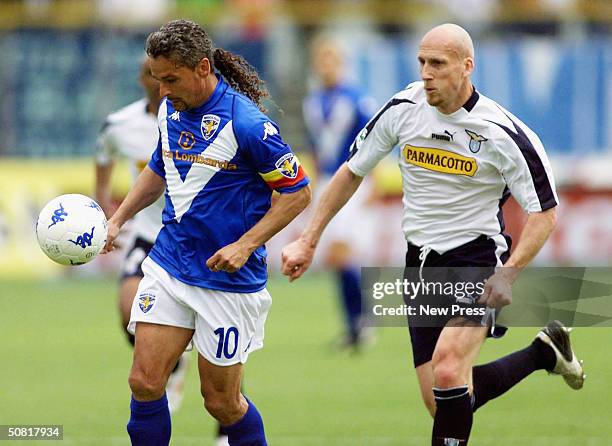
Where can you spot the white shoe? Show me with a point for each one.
(222, 441)
(176, 383)
(556, 335)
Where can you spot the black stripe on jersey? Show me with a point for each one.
(471, 102)
(500, 214)
(534, 163)
(370, 125)
(502, 225)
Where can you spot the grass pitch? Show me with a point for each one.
(65, 361)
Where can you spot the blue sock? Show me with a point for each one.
(248, 431)
(351, 299)
(149, 423)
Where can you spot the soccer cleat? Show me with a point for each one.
(556, 335)
(176, 383)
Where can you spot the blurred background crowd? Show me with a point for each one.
(66, 64)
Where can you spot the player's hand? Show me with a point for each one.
(230, 258)
(113, 232)
(497, 291)
(296, 258)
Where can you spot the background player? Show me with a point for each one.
(131, 132)
(462, 154)
(334, 112)
(218, 159)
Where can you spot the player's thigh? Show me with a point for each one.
(162, 323)
(127, 291)
(219, 380)
(229, 326)
(458, 345)
(157, 349)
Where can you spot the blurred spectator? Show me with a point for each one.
(596, 14)
(469, 11)
(539, 17)
(136, 12)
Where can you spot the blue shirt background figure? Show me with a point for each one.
(221, 161)
(334, 114)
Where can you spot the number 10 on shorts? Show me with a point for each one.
(225, 340)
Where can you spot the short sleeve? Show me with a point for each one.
(156, 163)
(106, 149)
(374, 141)
(272, 157)
(526, 169)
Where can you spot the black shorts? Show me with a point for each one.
(480, 253)
(132, 264)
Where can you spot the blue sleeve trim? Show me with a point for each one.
(155, 169)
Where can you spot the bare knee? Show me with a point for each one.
(225, 408)
(146, 386)
(447, 369)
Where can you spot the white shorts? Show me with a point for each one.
(228, 326)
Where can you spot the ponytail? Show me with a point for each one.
(241, 75)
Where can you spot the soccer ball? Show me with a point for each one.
(71, 229)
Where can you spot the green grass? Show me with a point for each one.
(64, 361)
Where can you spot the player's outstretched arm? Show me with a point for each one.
(148, 187)
(536, 231)
(284, 209)
(297, 256)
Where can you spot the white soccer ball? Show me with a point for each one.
(71, 229)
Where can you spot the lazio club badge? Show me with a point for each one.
(146, 301)
(287, 165)
(210, 124)
(475, 140)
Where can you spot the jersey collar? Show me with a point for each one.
(471, 102)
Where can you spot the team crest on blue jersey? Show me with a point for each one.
(210, 124)
(146, 301)
(287, 165)
(475, 140)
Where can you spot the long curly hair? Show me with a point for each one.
(186, 43)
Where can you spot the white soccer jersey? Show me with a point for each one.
(132, 132)
(458, 169)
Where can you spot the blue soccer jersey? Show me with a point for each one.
(221, 162)
(334, 116)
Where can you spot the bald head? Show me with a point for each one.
(446, 57)
(449, 37)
